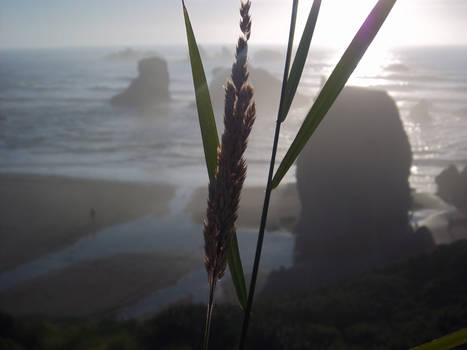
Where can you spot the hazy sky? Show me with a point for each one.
(34, 23)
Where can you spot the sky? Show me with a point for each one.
(52, 23)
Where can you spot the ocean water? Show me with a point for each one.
(56, 118)
(55, 115)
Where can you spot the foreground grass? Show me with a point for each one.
(397, 307)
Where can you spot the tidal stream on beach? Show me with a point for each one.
(174, 233)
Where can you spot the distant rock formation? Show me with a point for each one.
(267, 90)
(149, 88)
(129, 54)
(421, 111)
(452, 186)
(397, 67)
(268, 55)
(352, 179)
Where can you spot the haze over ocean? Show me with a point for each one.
(56, 117)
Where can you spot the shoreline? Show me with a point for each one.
(106, 284)
(41, 214)
(96, 288)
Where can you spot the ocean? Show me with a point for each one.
(55, 115)
(56, 119)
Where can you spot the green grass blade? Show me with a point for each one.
(207, 121)
(335, 83)
(288, 57)
(236, 271)
(447, 342)
(299, 60)
(210, 138)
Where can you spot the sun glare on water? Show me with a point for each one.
(339, 21)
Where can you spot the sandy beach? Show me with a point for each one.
(284, 207)
(41, 214)
(96, 288)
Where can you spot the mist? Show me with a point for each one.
(124, 23)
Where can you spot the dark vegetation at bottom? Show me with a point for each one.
(397, 307)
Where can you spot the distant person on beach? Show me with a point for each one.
(92, 214)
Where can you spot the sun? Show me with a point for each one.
(338, 20)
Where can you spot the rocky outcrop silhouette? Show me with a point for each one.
(129, 54)
(421, 111)
(267, 91)
(452, 186)
(352, 180)
(149, 88)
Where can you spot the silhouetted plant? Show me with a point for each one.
(225, 164)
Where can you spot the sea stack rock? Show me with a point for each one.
(452, 186)
(421, 111)
(267, 90)
(149, 88)
(352, 179)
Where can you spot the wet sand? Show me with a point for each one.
(284, 208)
(42, 214)
(96, 288)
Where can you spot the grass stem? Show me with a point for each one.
(267, 197)
(259, 245)
(207, 326)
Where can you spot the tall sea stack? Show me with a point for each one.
(352, 180)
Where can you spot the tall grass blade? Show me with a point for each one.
(335, 83)
(207, 121)
(210, 138)
(207, 326)
(236, 271)
(267, 195)
(449, 341)
(288, 57)
(300, 59)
